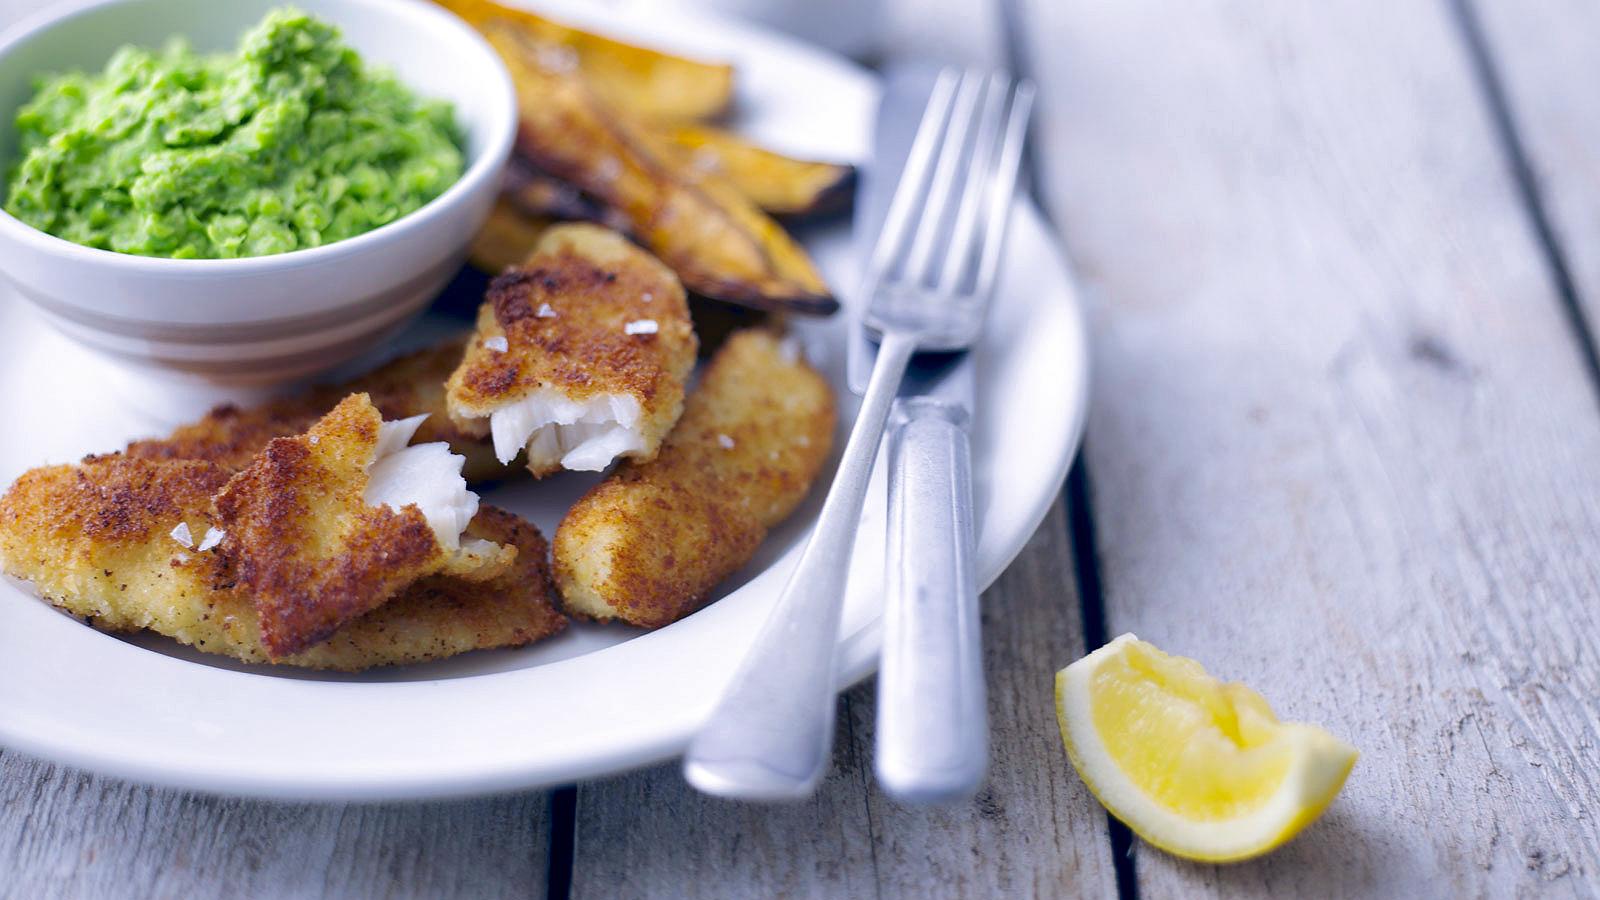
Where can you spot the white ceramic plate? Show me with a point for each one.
(597, 699)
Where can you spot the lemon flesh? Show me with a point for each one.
(1198, 767)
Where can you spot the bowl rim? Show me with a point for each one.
(489, 162)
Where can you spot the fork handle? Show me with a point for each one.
(932, 733)
(770, 735)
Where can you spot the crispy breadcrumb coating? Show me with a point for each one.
(581, 354)
(309, 549)
(407, 386)
(96, 539)
(649, 544)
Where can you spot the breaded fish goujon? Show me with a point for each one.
(649, 544)
(580, 355)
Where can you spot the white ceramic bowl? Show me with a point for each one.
(273, 318)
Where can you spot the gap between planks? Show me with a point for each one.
(1491, 86)
(1080, 510)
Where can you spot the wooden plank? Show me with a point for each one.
(1033, 831)
(1342, 445)
(67, 834)
(1543, 54)
(648, 834)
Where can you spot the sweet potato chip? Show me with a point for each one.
(645, 82)
(719, 243)
(779, 184)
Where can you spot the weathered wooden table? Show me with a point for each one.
(1343, 261)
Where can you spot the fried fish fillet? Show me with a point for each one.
(648, 544)
(507, 239)
(408, 386)
(580, 355)
(326, 526)
(96, 540)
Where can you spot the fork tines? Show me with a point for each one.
(958, 184)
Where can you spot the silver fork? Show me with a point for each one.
(770, 735)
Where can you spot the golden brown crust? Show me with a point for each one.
(302, 540)
(443, 615)
(112, 501)
(407, 386)
(95, 539)
(594, 282)
(650, 543)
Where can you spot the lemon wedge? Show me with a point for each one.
(1195, 766)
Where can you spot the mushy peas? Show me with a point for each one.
(290, 142)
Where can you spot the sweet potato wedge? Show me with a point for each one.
(538, 195)
(780, 185)
(720, 245)
(645, 82)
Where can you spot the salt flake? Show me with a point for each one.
(641, 326)
(557, 58)
(213, 537)
(705, 161)
(725, 441)
(544, 312)
(791, 350)
(497, 343)
(181, 535)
